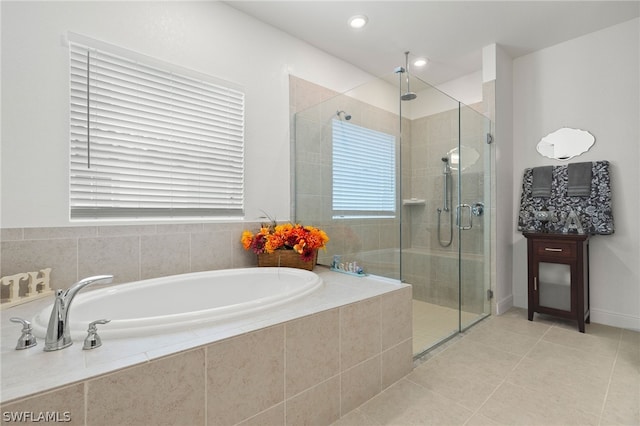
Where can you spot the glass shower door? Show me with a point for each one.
(473, 218)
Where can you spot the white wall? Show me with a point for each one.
(591, 83)
(208, 37)
(503, 173)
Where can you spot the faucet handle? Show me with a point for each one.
(27, 339)
(92, 340)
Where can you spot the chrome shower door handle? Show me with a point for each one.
(459, 210)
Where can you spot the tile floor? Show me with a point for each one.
(510, 371)
(433, 323)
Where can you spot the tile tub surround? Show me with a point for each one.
(128, 252)
(309, 362)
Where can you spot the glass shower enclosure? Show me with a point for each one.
(402, 188)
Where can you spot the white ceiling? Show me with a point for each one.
(450, 33)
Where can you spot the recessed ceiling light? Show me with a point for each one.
(420, 62)
(358, 21)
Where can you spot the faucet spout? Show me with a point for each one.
(58, 331)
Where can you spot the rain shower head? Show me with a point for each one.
(341, 114)
(408, 95)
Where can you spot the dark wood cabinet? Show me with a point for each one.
(558, 267)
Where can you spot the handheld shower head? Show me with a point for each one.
(341, 114)
(446, 167)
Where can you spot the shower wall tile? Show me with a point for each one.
(319, 405)
(245, 375)
(117, 256)
(305, 94)
(33, 255)
(308, 362)
(162, 392)
(67, 402)
(163, 255)
(359, 332)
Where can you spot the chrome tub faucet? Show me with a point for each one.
(58, 332)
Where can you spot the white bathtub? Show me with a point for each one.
(183, 301)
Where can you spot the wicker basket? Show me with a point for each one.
(288, 258)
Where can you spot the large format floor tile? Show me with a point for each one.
(510, 371)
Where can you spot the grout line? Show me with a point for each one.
(206, 385)
(284, 371)
(613, 368)
(504, 380)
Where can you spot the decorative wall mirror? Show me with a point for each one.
(462, 159)
(565, 143)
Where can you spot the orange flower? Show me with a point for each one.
(247, 238)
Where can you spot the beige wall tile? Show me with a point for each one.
(211, 250)
(359, 332)
(11, 234)
(162, 255)
(396, 317)
(117, 230)
(67, 403)
(319, 405)
(245, 375)
(312, 350)
(167, 391)
(59, 232)
(397, 362)
(117, 256)
(360, 383)
(272, 417)
(25, 256)
(178, 228)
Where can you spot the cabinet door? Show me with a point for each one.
(554, 286)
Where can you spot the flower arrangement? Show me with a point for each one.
(305, 240)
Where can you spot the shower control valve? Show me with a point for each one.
(477, 208)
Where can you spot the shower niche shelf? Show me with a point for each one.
(414, 202)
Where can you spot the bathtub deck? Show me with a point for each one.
(31, 371)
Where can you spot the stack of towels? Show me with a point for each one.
(580, 187)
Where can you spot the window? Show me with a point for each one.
(364, 172)
(147, 141)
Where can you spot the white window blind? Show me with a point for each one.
(150, 142)
(364, 172)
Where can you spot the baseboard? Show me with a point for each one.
(615, 319)
(504, 305)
